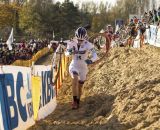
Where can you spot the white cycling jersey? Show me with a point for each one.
(81, 53)
(79, 56)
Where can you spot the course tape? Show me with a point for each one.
(28, 63)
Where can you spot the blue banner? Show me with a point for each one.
(16, 98)
(4, 125)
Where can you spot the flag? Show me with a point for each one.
(10, 40)
(117, 28)
(102, 31)
(50, 45)
(53, 35)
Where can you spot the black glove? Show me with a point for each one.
(88, 61)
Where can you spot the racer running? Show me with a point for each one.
(79, 48)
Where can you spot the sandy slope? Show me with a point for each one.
(122, 93)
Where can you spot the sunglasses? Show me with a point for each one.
(80, 40)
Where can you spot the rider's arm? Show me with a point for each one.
(93, 52)
(69, 49)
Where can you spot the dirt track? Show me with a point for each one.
(121, 93)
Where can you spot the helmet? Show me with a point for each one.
(117, 32)
(109, 25)
(131, 20)
(81, 33)
(140, 22)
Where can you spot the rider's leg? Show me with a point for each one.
(141, 40)
(80, 85)
(74, 75)
(132, 42)
(108, 44)
(128, 42)
(82, 77)
(75, 86)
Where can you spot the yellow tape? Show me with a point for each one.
(35, 57)
(36, 90)
(60, 75)
(63, 67)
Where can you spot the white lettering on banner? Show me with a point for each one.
(48, 94)
(158, 38)
(18, 94)
(153, 34)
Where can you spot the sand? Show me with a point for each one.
(122, 92)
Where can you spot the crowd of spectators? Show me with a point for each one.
(20, 51)
(152, 17)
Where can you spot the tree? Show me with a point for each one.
(40, 17)
(9, 14)
(69, 18)
(96, 23)
(35, 17)
(19, 2)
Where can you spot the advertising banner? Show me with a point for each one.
(48, 93)
(3, 121)
(17, 96)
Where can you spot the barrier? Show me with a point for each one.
(152, 35)
(24, 97)
(17, 112)
(158, 38)
(28, 63)
(47, 92)
(3, 118)
(16, 98)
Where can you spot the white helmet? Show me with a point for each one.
(81, 33)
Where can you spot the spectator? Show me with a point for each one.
(155, 18)
(145, 17)
(150, 17)
(135, 19)
(22, 51)
(158, 14)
